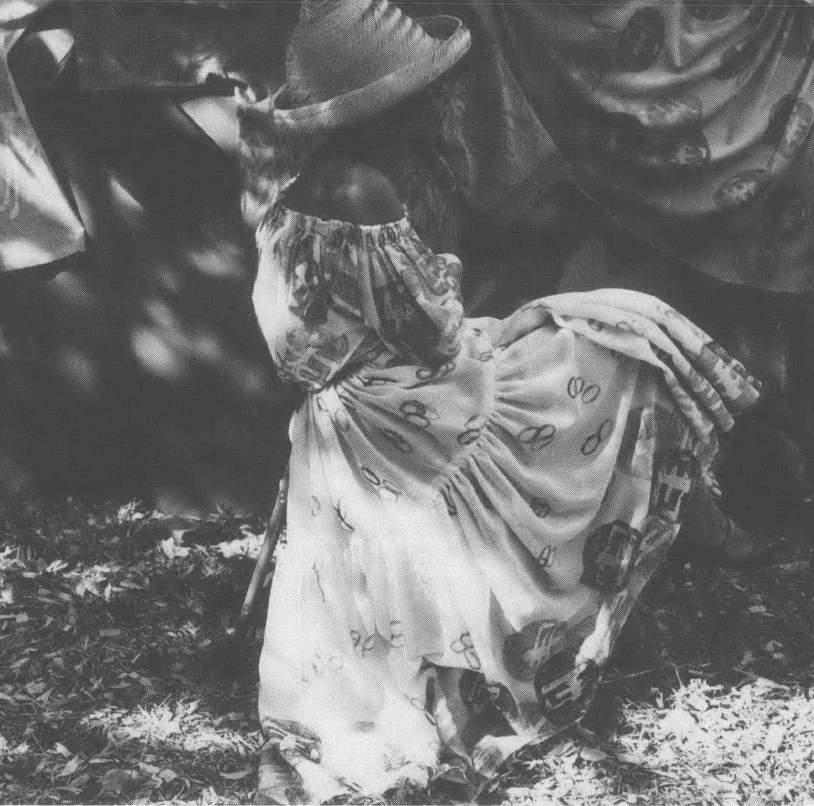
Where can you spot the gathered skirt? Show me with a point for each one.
(465, 541)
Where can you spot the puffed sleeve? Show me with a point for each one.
(410, 295)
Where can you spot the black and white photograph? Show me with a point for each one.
(407, 402)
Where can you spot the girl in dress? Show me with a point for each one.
(474, 505)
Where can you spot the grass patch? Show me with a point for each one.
(708, 744)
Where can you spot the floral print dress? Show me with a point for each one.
(474, 504)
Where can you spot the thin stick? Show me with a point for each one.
(263, 566)
(687, 667)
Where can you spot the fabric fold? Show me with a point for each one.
(37, 223)
(475, 504)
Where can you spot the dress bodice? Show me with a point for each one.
(329, 293)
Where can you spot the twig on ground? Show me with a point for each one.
(756, 678)
(692, 668)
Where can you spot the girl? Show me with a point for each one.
(474, 505)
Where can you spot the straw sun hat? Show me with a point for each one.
(348, 60)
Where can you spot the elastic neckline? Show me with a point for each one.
(401, 224)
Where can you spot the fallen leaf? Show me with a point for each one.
(210, 796)
(70, 768)
(118, 781)
(248, 546)
(167, 775)
(774, 738)
(697, 703)
(593, 754)
(678, 723)
(630, 758)
(55, 566)
(62, 750)
(795, 567)
(236, 776)
(451, 773)
(172, 549)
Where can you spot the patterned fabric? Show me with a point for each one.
(687, 120)
(340, 281)
(37, 225)
(474, 504)
(504, 161)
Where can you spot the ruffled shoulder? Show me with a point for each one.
(382, 274)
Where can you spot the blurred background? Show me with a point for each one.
(138, 371)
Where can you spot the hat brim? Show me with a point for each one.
(454, 41)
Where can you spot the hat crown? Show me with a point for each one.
(340, 46)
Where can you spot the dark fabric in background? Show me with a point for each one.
(166, 44)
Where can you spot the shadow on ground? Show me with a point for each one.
(115, 687)
(139, 370)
